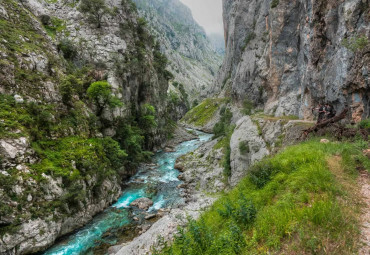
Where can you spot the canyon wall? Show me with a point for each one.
(66, 146)
(287, 56)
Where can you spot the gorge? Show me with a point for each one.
(103, 102)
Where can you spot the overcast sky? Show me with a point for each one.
(208, 13)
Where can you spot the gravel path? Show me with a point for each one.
(364, 182)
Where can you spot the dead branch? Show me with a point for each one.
(325, 123)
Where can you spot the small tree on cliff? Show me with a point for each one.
(95, 9)
(100, 93)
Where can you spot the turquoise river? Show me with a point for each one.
(160, 176)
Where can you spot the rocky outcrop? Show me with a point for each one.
(50, 53)
(255, 148)
(287, 56)
(193, 60)
(257, 137)
(142, 203)
(203, 170)
(40, 232)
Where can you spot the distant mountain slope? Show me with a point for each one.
(193, 59)
(218, 42)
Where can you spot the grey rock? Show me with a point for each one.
(18, 99)
(142, 203)
(3, 13)
(289, 58)
(114, 249)
(194, 61)
(245, 131)
(150, 216)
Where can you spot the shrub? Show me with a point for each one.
(195, 103)
(100, 93)
(365, 124)
(68, 49)
(274, 3)
(227, 160)
(95, 9)
(261, 173)
(45, 19)
(355, 43)
(247, 107)
(244, 147)
(221, 128)
(147, 119)
(248, 39)
(242, 212)
(132, 140)
(69, 86)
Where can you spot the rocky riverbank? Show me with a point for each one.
(202, 173)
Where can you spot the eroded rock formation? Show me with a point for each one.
(287, 56)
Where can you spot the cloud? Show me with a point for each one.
(208, 13)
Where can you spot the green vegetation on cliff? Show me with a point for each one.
(201, 114)
(303, 200)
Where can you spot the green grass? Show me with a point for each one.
(75, 157)
(203, 113)
(19, 37)
(301, 201)
(11, 117)
(56, 26)
(76, 160)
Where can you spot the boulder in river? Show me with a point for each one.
(142, 203)
(150, 216)
(169, 149)
(179, 166)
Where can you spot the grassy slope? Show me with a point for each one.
(203, 113)
(302, 201)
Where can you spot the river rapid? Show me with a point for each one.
(158, 181)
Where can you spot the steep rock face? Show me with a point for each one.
(256, 137)
(287, 56)
(245, 132)
(193, 60)
(58, 165)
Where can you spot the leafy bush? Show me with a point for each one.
(69, 86)
(260, 174)
(75, 157)
(100, 93)
(365, 124)
(45, 19)
(131, 138)
(243, 211)
(147, 117)
(274, 3)
(222, 127)
(53, 25)
(68, 49)
(355, 43)
(195, 103)
(244, 147)
(248, 39)
(227, 160)
(95, 9)
(247, 107)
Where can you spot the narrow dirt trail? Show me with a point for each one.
(364, 183)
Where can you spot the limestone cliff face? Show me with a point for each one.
(193, 59)
(287, 56)
(59, 165)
